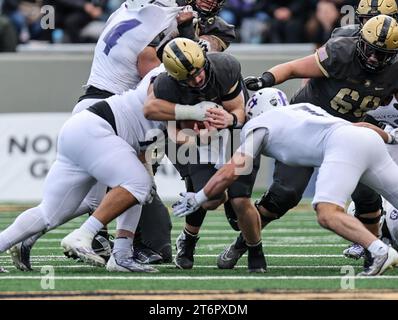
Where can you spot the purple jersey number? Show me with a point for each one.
(117, 31)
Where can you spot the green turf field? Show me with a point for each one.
(299, 253)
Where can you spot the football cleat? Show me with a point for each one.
(2, 270)
(185, 246)
(230, 256)
(78, 243)
(145, 255)
(381, 263)
(354, 251)
(102, 246)
(123, 263)
(20, 255)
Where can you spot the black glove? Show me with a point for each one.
(257, 83)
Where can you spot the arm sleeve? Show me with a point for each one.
(253, 141)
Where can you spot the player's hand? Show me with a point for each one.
(219, 118)
(207, 134)
(257, 83)
(186, 205)
(254, 83)
(203, 107)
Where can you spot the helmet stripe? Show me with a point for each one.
(384, 30)
(374, 4)
(181, 56)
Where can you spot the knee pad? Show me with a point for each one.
(279, 200)
(366, 200)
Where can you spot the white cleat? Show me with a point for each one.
(78, 243)
(127, 264)
(2, 270)
(354, 251)
(381, 263)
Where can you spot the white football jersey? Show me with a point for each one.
(131, 124)
(126, 34)
(387, 114)
(295, 134)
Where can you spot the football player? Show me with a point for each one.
(213, 34)
(102, 143)
(193, 76)
(123, 55)
(349, 76)
(385, 117)
(365, 10)
(305, 135)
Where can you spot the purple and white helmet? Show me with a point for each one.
(264, 100)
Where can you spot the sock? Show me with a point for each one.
(240, 242)
(123, 244)
(255, 249)
(92, 225)
(190, 234)
(378, 248)
(32, 240)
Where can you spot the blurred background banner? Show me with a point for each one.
(28, 146)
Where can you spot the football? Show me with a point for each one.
(189, 124)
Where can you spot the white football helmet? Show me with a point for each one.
(138, 4)
(264, 100)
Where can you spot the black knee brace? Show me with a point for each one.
(365, 220)
(278, 200)
(366, 200)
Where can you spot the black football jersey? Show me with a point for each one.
(347, 91)
(225, 83)
(352, 30)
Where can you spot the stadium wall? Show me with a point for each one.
(40, 86)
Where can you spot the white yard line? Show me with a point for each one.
(195, 278)
(161, 266)
(49, 257)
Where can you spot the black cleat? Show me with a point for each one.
(20, 255)
(185, 246)
(231, 254)
(145, 255)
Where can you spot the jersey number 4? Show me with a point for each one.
(341, 102)
(117, 31)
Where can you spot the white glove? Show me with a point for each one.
(186, 205)
(196, 112)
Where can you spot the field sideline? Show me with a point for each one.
(303, 261)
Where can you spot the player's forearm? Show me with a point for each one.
(221, 180)
(160, 110)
